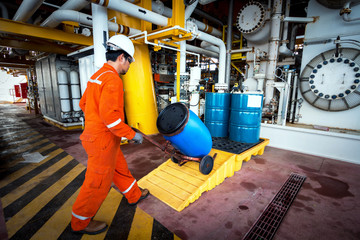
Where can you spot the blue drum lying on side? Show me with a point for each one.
(186, 132)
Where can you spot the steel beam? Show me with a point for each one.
(24, 29)
(48, 47)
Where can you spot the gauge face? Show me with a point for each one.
(331, 82)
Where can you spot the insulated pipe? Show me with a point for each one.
(299, 19)
(75, 5)
(229, 43)
(167, 12)
(243, 50)
(283, 50)
(208, 46)
(293, 37)
(100, 34)
(273, 51)
(222, 57)
(134, 11)
(190, 9)
(70, 15)
(208, 17)
(202, 51)
(208, 29)
(27, 9)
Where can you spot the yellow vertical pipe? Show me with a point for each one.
(178, 18)
(178, 77)
(178, 13)
(140, 100)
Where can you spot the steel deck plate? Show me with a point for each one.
(179, 186)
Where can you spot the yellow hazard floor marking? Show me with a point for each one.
(21, 190)
(179, 186)
(106, 212)
(46, 147)
(53, 228)
(12, 177)
(141, 227)
(30, 210)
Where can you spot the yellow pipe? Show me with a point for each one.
(232, 64)
(140, 100)
(20, 28)
(178, 77)
(178, 15)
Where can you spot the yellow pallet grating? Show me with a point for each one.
(179, 186)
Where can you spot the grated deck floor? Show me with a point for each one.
(269, 221)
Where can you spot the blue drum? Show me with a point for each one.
(245, 117)
(217, 110)
(184, 129)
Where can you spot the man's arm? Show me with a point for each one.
(111, 110)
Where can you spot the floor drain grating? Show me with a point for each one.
(267, 224)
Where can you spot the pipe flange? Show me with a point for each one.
(193, 28)
(251, 17)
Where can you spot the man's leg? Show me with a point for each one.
(98, 178)
(124, 180)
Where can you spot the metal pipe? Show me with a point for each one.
(100, 34)
(293, 37)
(190, 9)
(75, 5)
(70, 15)
(26, 10)
(208, 17)
(134, 11)
(167, 12)
(203, 51)
(345, 15)
(229, 43)
(242, 50)
(208, 46)
(299, 19)
(273, 51)
(207, 28)
(221, 85)
(283, 50)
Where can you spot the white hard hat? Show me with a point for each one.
(122, 42)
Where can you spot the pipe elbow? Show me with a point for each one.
(284, 51)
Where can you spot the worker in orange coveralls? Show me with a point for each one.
(103, 106)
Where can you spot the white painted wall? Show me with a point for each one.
(340, 146)
(328, 26)
(7, 82)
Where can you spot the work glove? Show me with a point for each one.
(138, 139)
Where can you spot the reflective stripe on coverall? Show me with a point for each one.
(103, 106)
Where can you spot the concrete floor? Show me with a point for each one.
(327, 206)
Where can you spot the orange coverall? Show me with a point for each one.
(103, 106)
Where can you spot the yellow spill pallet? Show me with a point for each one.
(179, 186)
